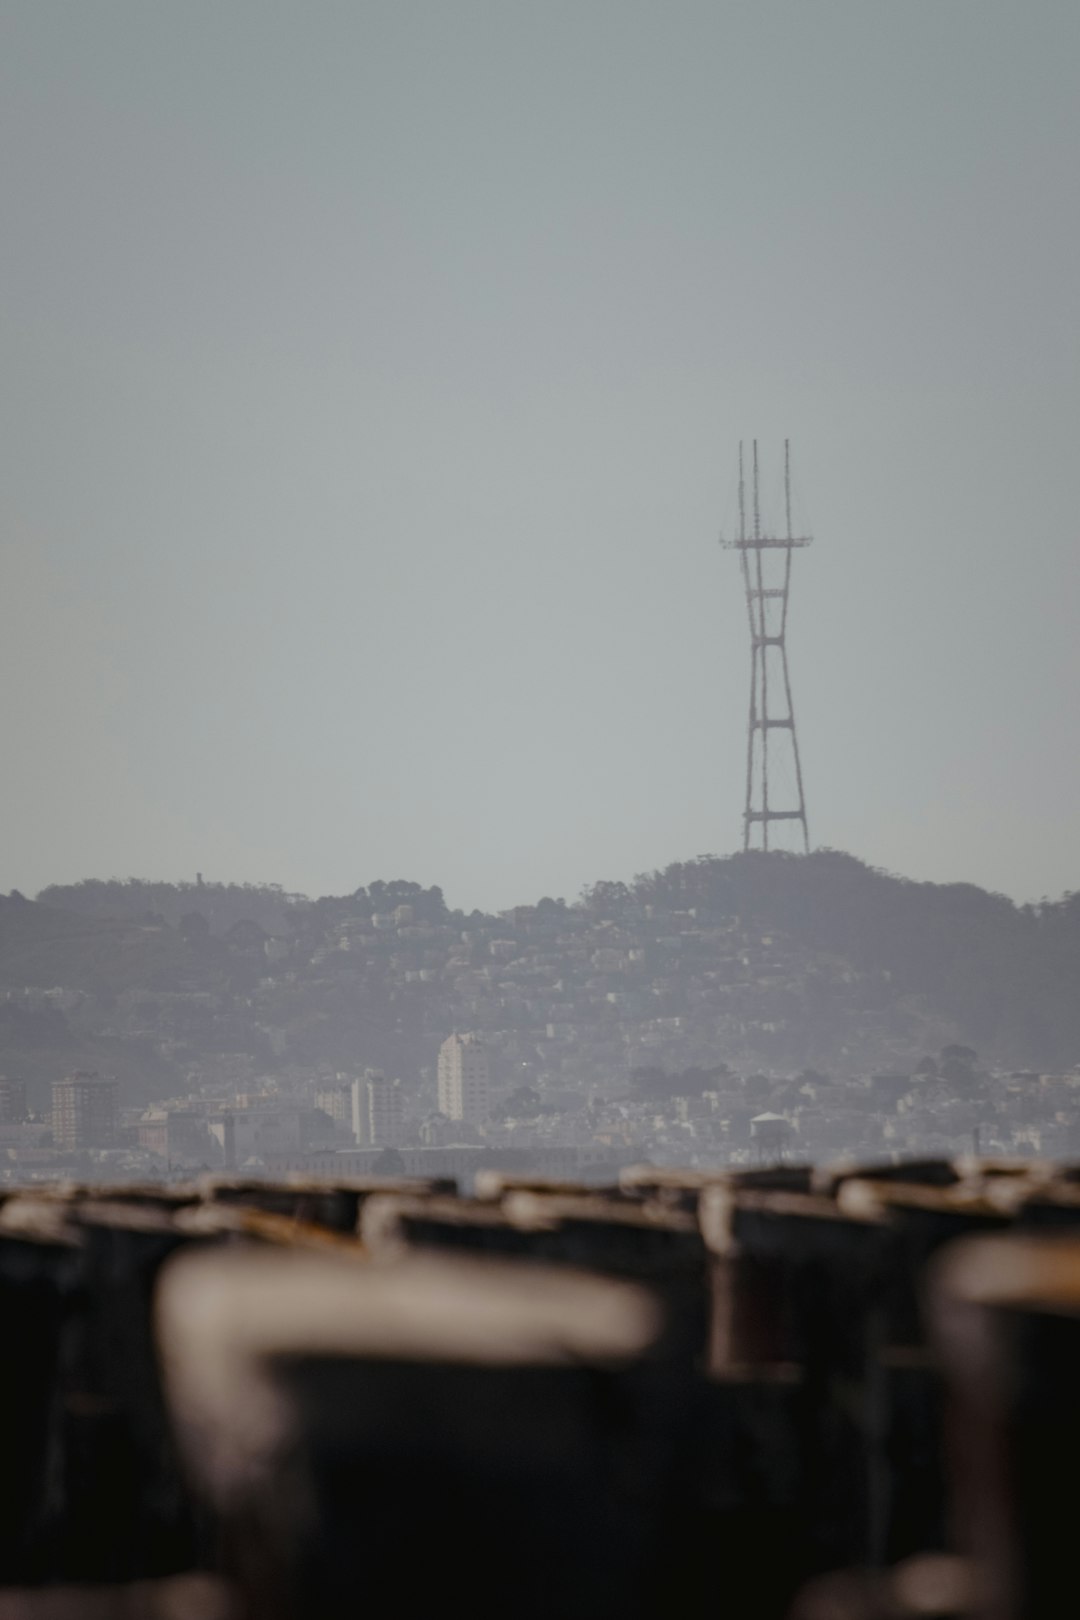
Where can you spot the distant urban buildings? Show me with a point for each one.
(464, 1079)
(336, 1101)
(385, 1112)
(660, 1021)
(705, 1118)
(84, 1112)
(377, 1112)
(179, 1135)
(12, 1101)
(254, 1128)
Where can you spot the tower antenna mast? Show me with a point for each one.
(765, 560)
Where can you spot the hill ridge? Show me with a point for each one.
(775, 960)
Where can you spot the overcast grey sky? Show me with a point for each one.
(372, 377)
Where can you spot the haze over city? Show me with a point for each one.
(539, 900)
(373, 380)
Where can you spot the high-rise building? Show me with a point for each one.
(336, 1100)
(84, 1112)
(385, 1112)
(464, 1078)
(12, 1101)
(377, 1111)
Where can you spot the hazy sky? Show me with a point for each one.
(372, 377)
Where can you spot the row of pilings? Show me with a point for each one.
(838, 1394)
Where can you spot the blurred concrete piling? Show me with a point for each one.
(1006, 1315)
(442, 1431)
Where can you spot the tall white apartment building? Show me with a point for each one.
(464, 1078)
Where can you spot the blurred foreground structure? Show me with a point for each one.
(823, 1394)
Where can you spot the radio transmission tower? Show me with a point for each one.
(774, 785)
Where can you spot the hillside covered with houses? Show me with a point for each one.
(670, 1011)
